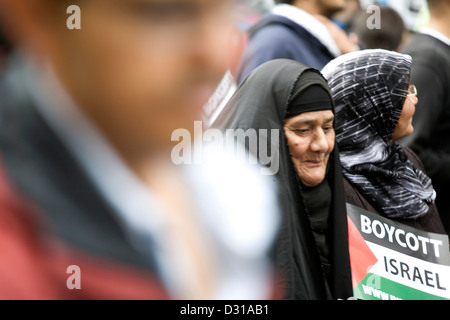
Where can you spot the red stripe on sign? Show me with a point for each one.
(361, 257)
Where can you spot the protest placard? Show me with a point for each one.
(392, 261)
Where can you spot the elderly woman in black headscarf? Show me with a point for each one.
(293, 99)
(374, 107)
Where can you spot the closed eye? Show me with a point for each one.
(301, 131)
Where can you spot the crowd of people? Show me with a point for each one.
(357, 115)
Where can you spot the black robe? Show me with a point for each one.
(261, 102)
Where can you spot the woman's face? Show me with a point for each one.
(311, 139)
(404, 126)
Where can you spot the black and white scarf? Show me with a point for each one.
(369, 88)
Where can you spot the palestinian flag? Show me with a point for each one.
(392, 261)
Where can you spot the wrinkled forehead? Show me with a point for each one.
(311, 118)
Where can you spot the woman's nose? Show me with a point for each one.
(319, 142)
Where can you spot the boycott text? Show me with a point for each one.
(399, 236)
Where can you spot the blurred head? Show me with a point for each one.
(310, 134)
(323, 7)
(330, 7)
(389, 36)
(138, 68)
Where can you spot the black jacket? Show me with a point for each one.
(430, 73)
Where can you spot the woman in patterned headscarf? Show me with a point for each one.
(374, 107)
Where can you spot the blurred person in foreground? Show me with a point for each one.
(430, 51)
(375, 103)
(299, 30)
(91, 203)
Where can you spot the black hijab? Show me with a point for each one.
(369, 89)
(261, 102)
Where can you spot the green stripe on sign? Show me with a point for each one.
(374, 287)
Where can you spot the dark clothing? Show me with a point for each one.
(430, 74)
(260, 104)
(431, 222)
(276, 37)
(317, 205)
(52, 217)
